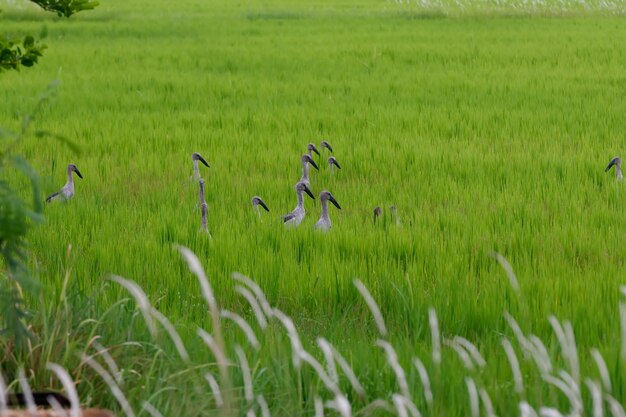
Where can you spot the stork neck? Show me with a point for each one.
(196, 171)
(202, 193)
(305, 170)
(325, 209)
(300, 199)
(70, 179)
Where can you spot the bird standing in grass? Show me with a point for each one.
(333, 161)
(617, 161)
(297, 215)
(195, 157)
(306, 160)
(256, 202)
(326, 145)
(67, 191)
(312, 148)
(377, 213)
(203, 205)
(394, 214)
(324, 222)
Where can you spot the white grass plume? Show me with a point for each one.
(140, 298)
(28, 393)
(108, 359)
(341, 405)
(296, 344)
(150, 409)
(348, 371)
(573, 351)
(602, 369)
(327, 350)
(622, 315)
(369, 300)
(244, 326)
(526, 410)
(462, 353)
(321, 373)
(392, 360)
(473, 397)
(58, 409)
(596, 397)
(404, 406)
(484, 396)
(68, 385)
(519, 334)
(256, 307)
(435, 335)
(378, 403)
(421, 370)
(472, 350)
(108, 379)
(510, 274)
(565, 389)
(171, 330)
(265, 410)
(549, 412)
(215, 388)
(513, 362)
(247, 376)
(616, 408)
(540, 355)
(220, 356)
(565, 336)
(258, 292)
(319, 407)
(196, 267)
(3, 394)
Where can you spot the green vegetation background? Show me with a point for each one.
(487, 133)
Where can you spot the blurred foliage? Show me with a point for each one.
(66, 7)
(25, 52)
(17, 53)
(16, 218)
(16, 214)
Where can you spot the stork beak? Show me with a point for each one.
(314, 149)
(327, 145)
(336, 164)
(78, 173)
(335, 203)
(308, 191)
(312, 162)
(262, 203)
(201, 159)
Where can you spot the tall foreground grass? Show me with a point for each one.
(252, 362)
(486, 132)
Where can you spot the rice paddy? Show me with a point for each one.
(487, 125)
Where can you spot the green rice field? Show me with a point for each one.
(488, 125)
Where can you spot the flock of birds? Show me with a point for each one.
(295, 217)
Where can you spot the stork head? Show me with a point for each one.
(307, 159)
(333, 161)
(72, 167)
(197, 157)
(258, 201)
(300, 187)
(312, 148)
(327, 196)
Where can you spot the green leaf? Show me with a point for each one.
(24, 167)
(73, 146)
(29, 42)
